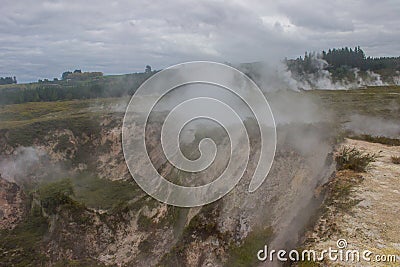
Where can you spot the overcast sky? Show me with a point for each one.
(41, 39)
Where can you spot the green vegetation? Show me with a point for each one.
(102, 193)
(174, 217)
(35, 123)
(57, 197)
(27, 134)
(145, 246)
(55, 194)
(340, 188)
(342, 61)
(356, 59)
(31, 123)
(307, 263)
(245, 254)
(7, 80)
(144, 223)
(79, 75)
(339, 199)
(63, 143)
(74, 86)
(201, 226)
(23, 124)
(353, 159)
(85, 85)
(42, 110)
(372, 101)
(21, 246)
(85, 190)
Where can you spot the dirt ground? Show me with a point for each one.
(369, 216)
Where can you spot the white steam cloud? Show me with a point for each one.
(20, 163)
(376, 126)
(275, 76)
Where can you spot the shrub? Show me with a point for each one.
(396, 159)
(55, 194)
(245, 254)
(99, 193)
(63, 143)
(145, 246)
(144, 223)
(353, 159)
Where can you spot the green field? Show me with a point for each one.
(380, 101)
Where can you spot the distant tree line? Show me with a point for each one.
(302, 65)
(89, 85)
(345, 57)
(356, 59)
(79, 75)
(8, 80)
(342, 58)
(64, 76)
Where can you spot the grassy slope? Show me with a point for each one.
(373, 101)
(15, 115)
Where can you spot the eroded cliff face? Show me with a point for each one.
(145, 232)
(12, 206)
(63, 149)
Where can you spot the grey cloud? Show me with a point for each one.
(318, 15)
(43, 39)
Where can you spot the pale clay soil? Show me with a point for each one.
(374, 223)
